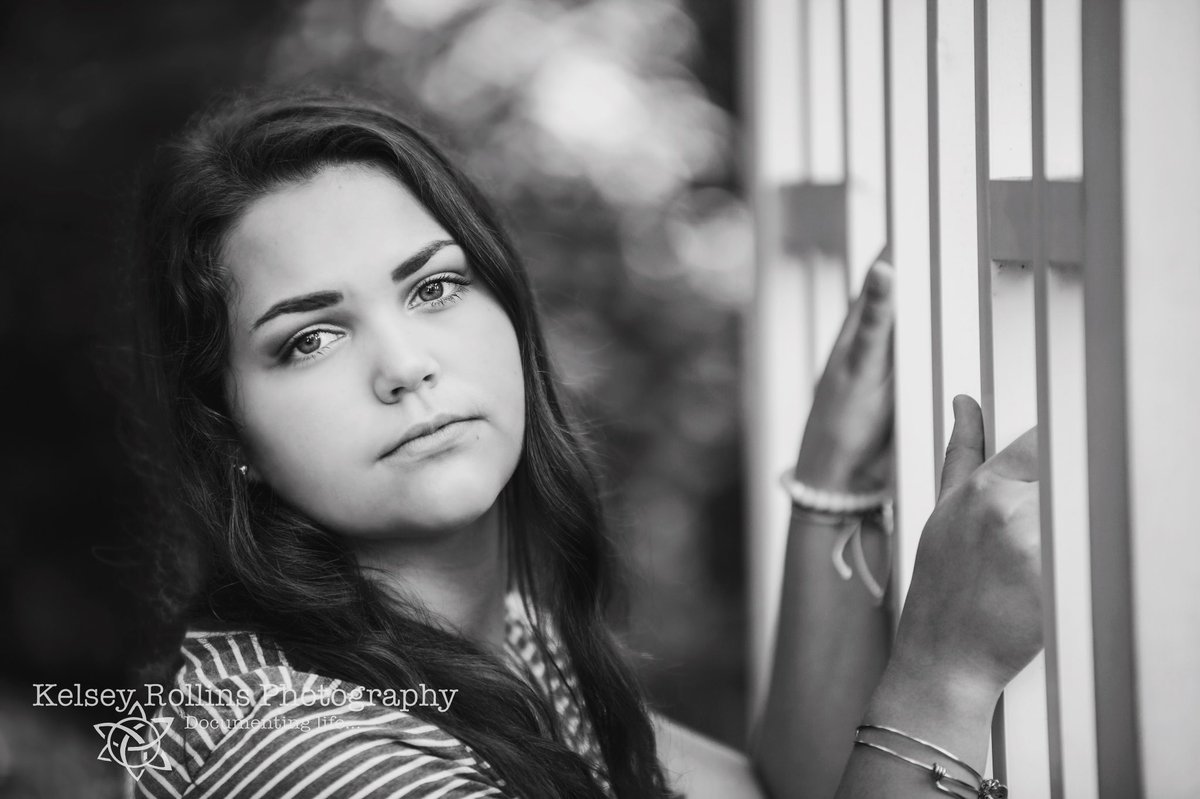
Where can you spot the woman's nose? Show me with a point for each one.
(403, 363)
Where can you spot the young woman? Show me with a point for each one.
(384, 550)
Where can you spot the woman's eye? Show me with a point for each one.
(441, 290)
(309, 344)
(432, 291)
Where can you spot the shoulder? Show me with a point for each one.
(240, 720)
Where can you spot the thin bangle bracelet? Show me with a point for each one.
(954, 758)
(936, 772)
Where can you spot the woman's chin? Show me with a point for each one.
(430, 518)
(427, 504)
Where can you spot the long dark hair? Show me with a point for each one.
(234, 553)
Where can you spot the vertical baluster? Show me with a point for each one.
(866, 173)
(910, 168)
(1118, 756)
(1057, 156)
(1008, 324)
(1155, 271)
(955, 278)
(777, 352)
(955, 232)
(798, 192)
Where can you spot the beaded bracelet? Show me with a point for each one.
(844, 506)
(839, 503)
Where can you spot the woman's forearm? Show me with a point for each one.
(950, 713)
(830, 651)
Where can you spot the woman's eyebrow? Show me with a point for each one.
(302, 304)
(324, 299)
(418, 259)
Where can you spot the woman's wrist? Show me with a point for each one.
(829, 469)
(950, 707)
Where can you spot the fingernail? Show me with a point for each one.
(954, 407)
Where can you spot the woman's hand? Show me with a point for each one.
(973, 615)
(847, 442)
(972, 618)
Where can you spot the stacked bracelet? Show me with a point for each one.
(978, 788)
(847, 506)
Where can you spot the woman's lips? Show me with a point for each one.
(442, 437)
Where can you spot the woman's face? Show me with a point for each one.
(358, 325)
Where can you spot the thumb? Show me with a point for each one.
(964, 453)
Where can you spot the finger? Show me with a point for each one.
(1019, 460)
(850, 323)
(871, 347)
(849, 328)
(964, 453)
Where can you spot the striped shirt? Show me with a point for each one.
(252, 725)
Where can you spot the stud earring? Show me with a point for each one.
(244, 469)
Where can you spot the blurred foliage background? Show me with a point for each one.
(605, 130)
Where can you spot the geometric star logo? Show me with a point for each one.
(134, 742)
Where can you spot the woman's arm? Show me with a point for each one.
(832, 636)
(830, 650)
(831, 643)
(972, 618)
(827, 627)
